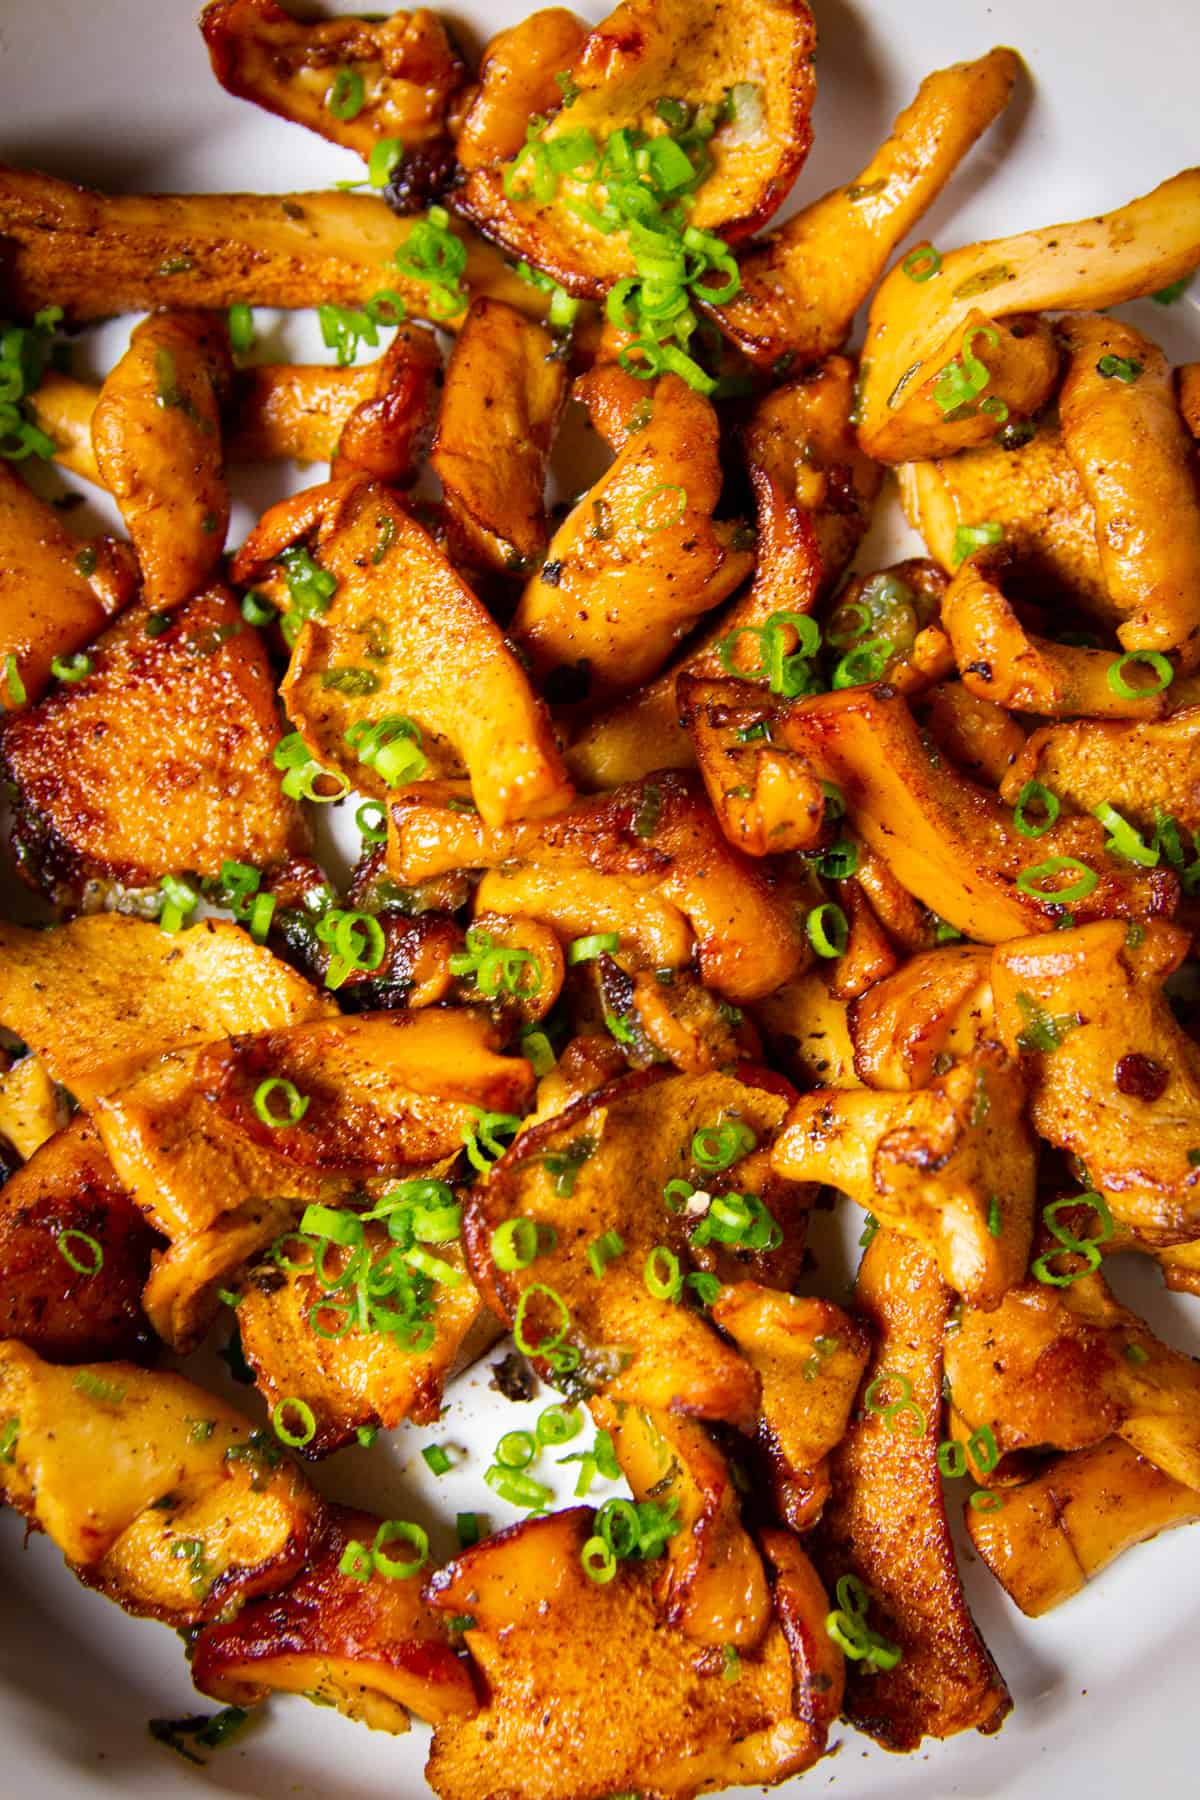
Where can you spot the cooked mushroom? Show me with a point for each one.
(885, 1521)
(803, 282)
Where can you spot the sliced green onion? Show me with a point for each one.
(386, 156)
(1035, 793)
(356, 1562)
(558, 1425)
(1123, 840)
(347, 96)
(71, 668)
(599, 1562)
(674, 509)
(840, 861)
(720, 1145)
(970, 538)
(518, 1488)
(1153, 659)
(294, 1101)
(514, 1245)
(951, 1459)
(12, 677)
(986, 1500)
(481, 1137)
(828, 930)
(1122, 368)
(923, 263)
(390, 1530)
(1071, 1243)
(371, 819)
(661, 1274)
(587, 949)
(304, 1415)
(91, 1247)
(240, 321)
(96, 1387)
(706, 1287)
(603, 1250)
(864, 664)
(1032, 881)
(467, 1527)
(538, 1051)
(556, 1336)
(516, 1450)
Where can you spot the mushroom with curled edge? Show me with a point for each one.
(810, 1356)
(401, 637)
(950, 1166)
(516, 82)
(49, 607)
(885, 1521)
(343, 1634)
(104, 997)
(951, 843)
(670, 1016)
(1032, 491)
(925, 338)
(657, 839)
(1057, 1532)
(766, 799)
(96, 254)
(814, 490)
(305, 1337)
(1062, 1365)
(746, 66)
(157, 1493)
(353, 80)
(1146, 769)
(501, 403)
(710, 1584)
(157, 757)
(1123, 430)
(74, 1253)
(623, 1703)
(32, 1107)
(639, 558)
(803, 282)
(978, 736)
(1000, 660)
(156, 436)
(868, 957)
(807, 1028)
(372, 417)
(937, 1006)
(1114, 1080)
(602, 1167)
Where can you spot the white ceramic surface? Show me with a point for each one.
(118, 92)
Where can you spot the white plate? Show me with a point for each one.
(118, 92)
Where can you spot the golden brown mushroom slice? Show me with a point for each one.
(917, 329)
(1063, 1366)
(303, 1341)
(748, 65)
(1122, 429)
(156, 434)
(74, 1253)
(814, 490)
(675, 1016)
(402, 637)
(1000, 660)
(373, 417)
(950, 1165)
(803, 282)
(154, 759)
(622, 1704)
(32, 1106)
(1146, 769)
(104, 996)
(885, 1522)
(516, 80)
(385, 1091)
(94, 254)
(157, 1493)
(56, 594)
(937, 1005)
(1030, 489)
(603, 1166)
(710, 1584)
(810, 1356)
(372, 1647)
(660, 839)
(767, 800)
(1057, 1532)
(504, 392)
(353, 80)
(1114, 1079)
(978, 736)
(807, 1029)
(639, 558)
(948, 841)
